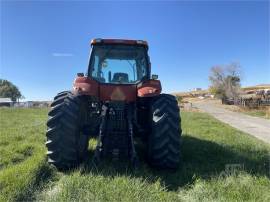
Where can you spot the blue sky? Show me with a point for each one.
(44, 44)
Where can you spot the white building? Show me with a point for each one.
(6, 102)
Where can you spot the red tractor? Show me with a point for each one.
(118, 102)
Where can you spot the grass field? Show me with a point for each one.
(209, 150)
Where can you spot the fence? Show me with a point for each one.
(252, 102)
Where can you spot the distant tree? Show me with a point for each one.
(179, 98)
(9, 90)
(225, 81)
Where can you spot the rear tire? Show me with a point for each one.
(66, 144)
(164, 139)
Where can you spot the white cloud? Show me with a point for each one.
(62, 54)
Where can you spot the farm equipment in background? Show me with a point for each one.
(117, 101)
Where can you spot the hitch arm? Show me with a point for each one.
(133, 154)
(102, 128)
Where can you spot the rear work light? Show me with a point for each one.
(142, 42)
(96, 41)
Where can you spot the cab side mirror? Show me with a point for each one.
(154, 76)
(80, 74)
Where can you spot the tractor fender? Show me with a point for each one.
(149, 88)
(85, 86)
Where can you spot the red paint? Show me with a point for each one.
(86, 86)
(112, 92)
(149, 88)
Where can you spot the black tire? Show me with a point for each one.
(165, 137)
(66, 144)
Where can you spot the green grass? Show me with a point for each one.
(22, 162)
(208, 146)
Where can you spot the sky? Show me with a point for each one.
(45, 43)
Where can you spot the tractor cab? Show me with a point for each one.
(119, 70)
(119, 61)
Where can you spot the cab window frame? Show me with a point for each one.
(91, 64)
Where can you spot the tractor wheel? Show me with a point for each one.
(66, 144)
(164, 139)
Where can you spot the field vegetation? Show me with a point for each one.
(219, 164)
(263, 112)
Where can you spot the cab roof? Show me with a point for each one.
(119, 41)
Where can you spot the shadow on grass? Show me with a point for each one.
(201, 159)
